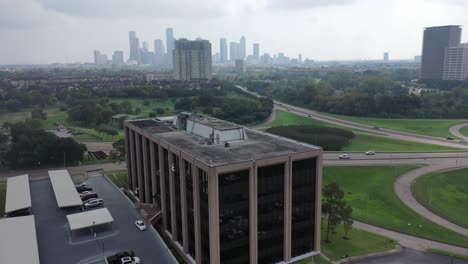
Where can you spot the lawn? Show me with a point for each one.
(167, 105)
(2, 198)
(118, 177)
(430, 127)
(361, 142)
(464, 131)
(369, 190)
(446, 194)
(314, 260)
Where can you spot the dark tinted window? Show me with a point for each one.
(178, 209)
(190, 212)
(167, 190)
(204, 217)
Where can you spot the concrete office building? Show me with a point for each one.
(134, 47)
(223, 53)
(118, 57)
(99, 58)
(456, 63)
(228, 194)
(169, 45)
(239, 66)
(385, 57)
(435, 41)
(192, 60)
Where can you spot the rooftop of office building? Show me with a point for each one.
(216, 142)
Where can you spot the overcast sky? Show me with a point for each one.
(47, 31)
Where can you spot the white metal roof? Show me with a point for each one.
(89, 219)
(64, 189)
(18, 196)
(18, 241)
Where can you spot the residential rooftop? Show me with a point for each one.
(255, 145)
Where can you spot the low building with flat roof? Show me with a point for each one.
(228, 194)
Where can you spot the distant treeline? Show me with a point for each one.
(329, 138)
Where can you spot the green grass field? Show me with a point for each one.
(369, 190)
(2, 198)
(314, 260)
(464, 131)
(430, 127)
(446, 194)
(119, 178)
(361, 142)
(167, 105)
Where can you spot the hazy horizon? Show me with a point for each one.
(48, 31)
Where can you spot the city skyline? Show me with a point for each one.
(299, 27)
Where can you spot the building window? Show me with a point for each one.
(270, 200)
(141, 185)
(178, 215)
(303, 206)
(190, 211)
(204, 217)
(157, 173)
(129, 157)
(135, 170)
(148, 166)
(167, 189)
(234, 217)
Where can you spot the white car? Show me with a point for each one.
(130, 260)
(93, 203)
(370, 152)
(345, 156)
(140, 225)
(85, 193)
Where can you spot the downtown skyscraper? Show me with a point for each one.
(159, 52)
(134, 47)
(192, 60)
(223, 52)
(256, 51)
(241, 53)
(170, 45)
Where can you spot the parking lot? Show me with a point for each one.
(57, 246)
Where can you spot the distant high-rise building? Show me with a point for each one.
(159, 52)
(192, 59)
(134, 47)
(100, 59)
(233, 48)
(299, 58)
(239, 66)
(147, 57)
(145, 47)
(170, 45)
(256, 51)
(242, 48)
(417, 59)
(118, 57)
(385, 57)
(456, 63)
(435, 41)
(223, 52)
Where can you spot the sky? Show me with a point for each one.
(67, 31)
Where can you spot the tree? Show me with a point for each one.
(347, 220)
(335, 207)
(160, 111)
(38, 113)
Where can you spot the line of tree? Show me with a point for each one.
(329, 138)
(371, 94)
(336, 209)
(32, 146)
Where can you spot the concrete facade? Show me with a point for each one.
(209, 215)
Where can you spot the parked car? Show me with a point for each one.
(83, 184)
(83, 189)
(85, 193)
(345, 156)
(89, 196)
(122, 256)
(130, 260)
(370, 152)
(140, 225)
(93, 203)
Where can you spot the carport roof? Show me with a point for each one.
(18, 241)
(89, 219)
(18, 196)
(64, 189)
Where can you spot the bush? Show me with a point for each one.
(329, 138)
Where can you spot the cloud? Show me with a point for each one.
(114, 9)
(305, 4)
(25, 14)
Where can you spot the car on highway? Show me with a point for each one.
(309, 115)
(289, 109)
(450, 138)
(463, 141)
(93, 203)
(345, 156)
(140, 225)
(370, 152)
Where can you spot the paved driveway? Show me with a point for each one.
(54, 239)
(410, 256)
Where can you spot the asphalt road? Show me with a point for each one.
(410, 256)
(455, 130)
(56, 247)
